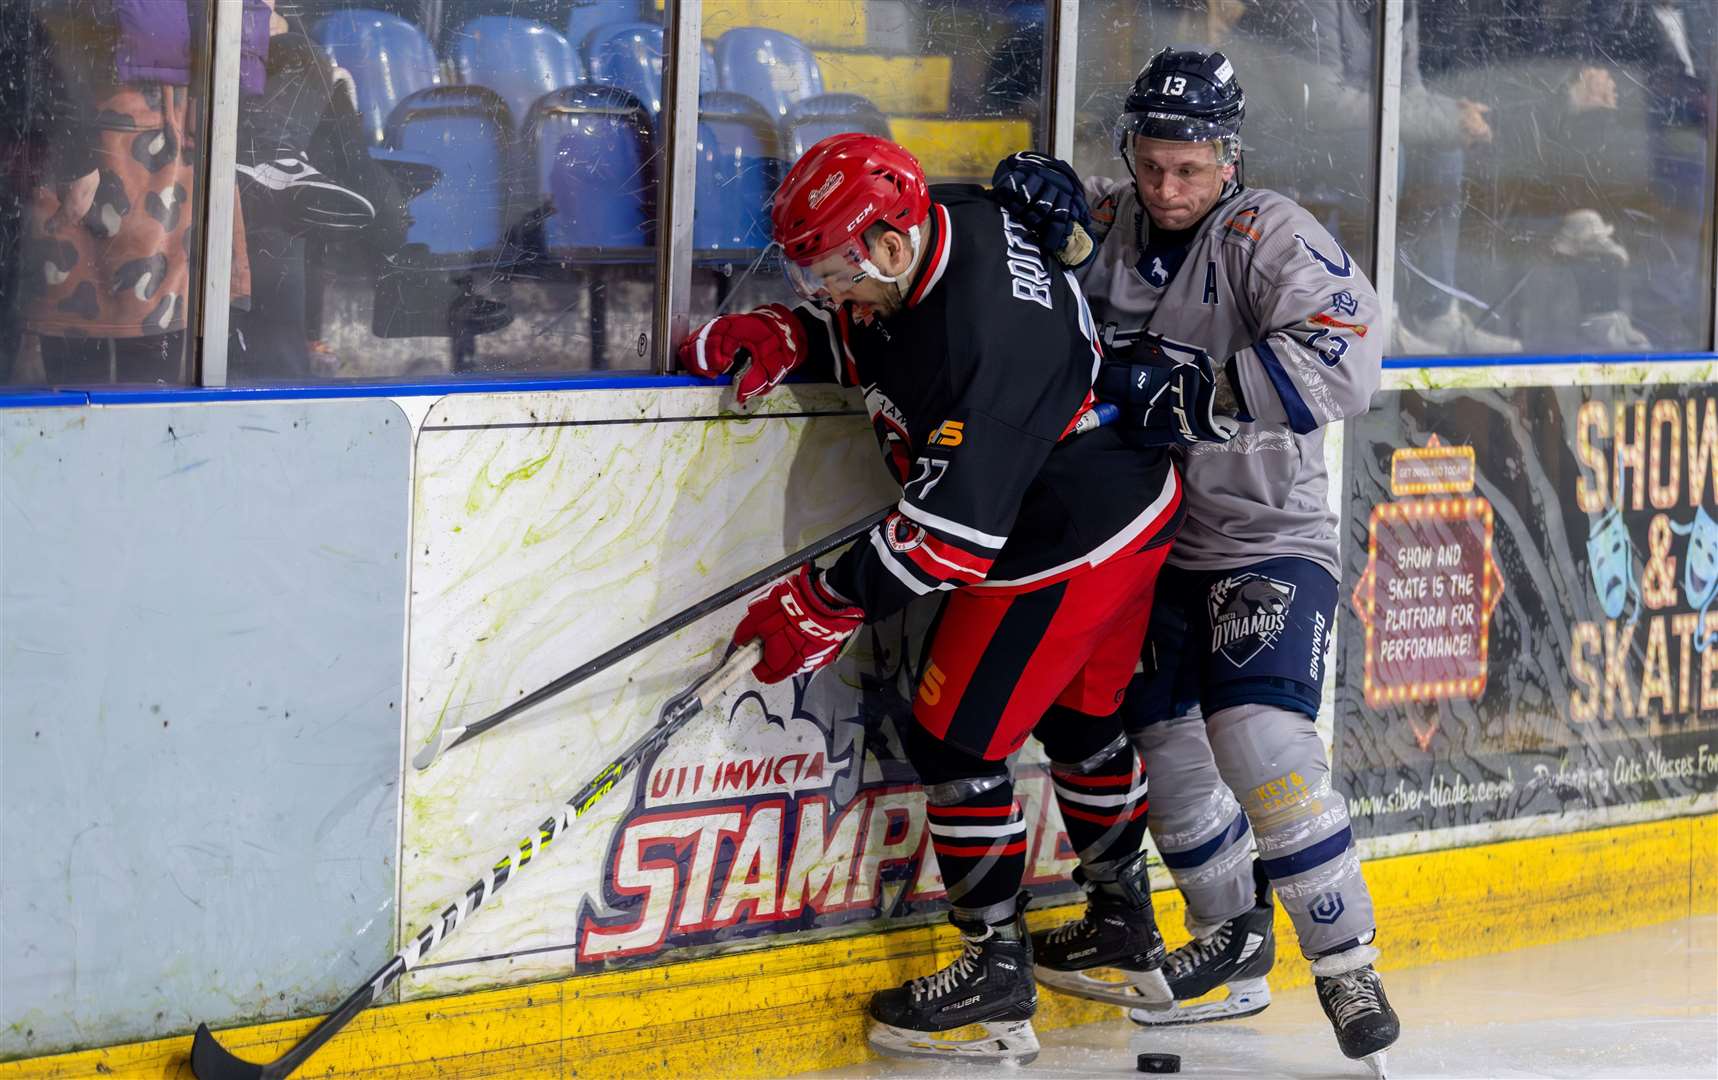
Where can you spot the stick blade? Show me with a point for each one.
(212, 1061)
(424, 758)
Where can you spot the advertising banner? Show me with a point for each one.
(547, 529)
(1528, 581)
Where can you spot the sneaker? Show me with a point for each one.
(316, 201)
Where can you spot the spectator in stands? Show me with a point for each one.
(1666, 48)
(1315, 65)
(111, 227)
(306, 116)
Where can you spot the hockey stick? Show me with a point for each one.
(212, 1061)
(444, 739)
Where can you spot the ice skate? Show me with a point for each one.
(1236, 956)
(1353, 999)
(1117, 933)
(989, 987)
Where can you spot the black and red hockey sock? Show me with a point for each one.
(1101, 796)
(977, 829)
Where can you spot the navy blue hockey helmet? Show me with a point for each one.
(1185, 95)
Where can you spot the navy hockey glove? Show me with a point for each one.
(1044, 195)
(1167, 393)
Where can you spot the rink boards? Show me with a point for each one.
(216, 670)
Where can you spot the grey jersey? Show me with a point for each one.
(1264, 284)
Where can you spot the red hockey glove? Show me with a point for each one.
(769, 337)
(801, 623)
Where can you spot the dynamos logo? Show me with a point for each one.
(1248, 615)
(765, 823)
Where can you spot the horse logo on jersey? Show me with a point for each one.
(1343, 271)
(1157, 267)
(1248, 615)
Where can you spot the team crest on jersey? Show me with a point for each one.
(1346, 270)
(903, 534)
(1249, 613)
(1158, 266)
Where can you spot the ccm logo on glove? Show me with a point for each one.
(801, 624)
(768, 340)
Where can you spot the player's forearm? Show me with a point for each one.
(823, 339)
(902, 559)
(1284, 381)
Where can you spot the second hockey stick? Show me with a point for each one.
(212, 1061)
(446, 738)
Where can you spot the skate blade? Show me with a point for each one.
(1003, 1041)
(1147, 990)
(1247, 997)
(1377, 1063)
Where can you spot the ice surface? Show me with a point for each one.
(1638, 1004)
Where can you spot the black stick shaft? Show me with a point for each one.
(671, 625)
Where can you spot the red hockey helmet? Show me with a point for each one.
(842, 186)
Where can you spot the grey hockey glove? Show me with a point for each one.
(1168, 394)
(1044, 195)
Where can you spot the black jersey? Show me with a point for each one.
(974, 390)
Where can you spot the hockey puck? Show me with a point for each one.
(1158, 1063)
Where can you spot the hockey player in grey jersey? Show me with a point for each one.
(1276, 334)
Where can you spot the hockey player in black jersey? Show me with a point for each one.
(976, 355)
(1279, 330)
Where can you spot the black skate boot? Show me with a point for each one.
(1117, 932)
(1236, 955)
(1353, 999)
(989, 984)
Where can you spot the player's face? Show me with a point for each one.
(1178, 181)
(868, 297)
(842, 277)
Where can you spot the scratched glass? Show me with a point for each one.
(960, 83)
(1309, 71)
(1556, 192)
(100, 190)
(451, 188)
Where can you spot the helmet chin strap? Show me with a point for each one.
(900, 280)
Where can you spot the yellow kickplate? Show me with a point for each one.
(840, 23)
(895, 84)
(961, 149)
(772, 1012)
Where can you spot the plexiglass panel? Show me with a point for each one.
(101, 160)
(458, 187)
(957, 82)
(1309, 71)
(1556, 191)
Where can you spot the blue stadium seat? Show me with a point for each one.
(739, 166)
(590, 15)
(768, 66)
(594, 167)
(629, 56)
(464, 133)
(811, 121)
(517, 58)
(389, 59)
